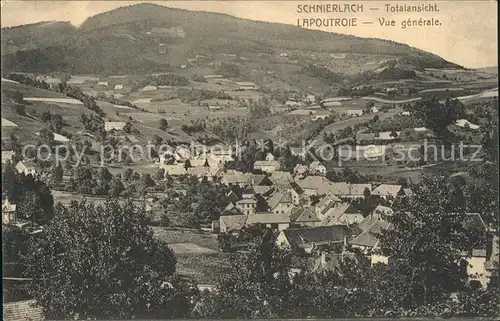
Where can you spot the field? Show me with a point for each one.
(197, 253)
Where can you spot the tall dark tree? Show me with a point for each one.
(103, 262)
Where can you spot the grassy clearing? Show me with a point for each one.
(172, 236)
(204, 268)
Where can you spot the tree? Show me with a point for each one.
(163, 124)
(128, 127)
(115, 187)
(157, 140)
(127, 174)
(46, 135)
(57, 174)
(160, 174)
(394, 134)
(427, 242)
(257, 285)
(187, 164)
(102, 266)
(17, 97)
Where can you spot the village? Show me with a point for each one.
(154, 168)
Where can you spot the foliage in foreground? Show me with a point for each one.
(103, 262)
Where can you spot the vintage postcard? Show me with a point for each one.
(249, 159)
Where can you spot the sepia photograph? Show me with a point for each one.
(249, 160)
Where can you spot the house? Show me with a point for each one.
(260, 180)
(149, 88)
(249, 192)
(304, 216)
(314, 185)
(118, 87)
(213, 77)
(114, 125)
(346, 190)
(381, 212)
(279, 221)
(8, 212)
(330, 262)
(464, 123)
(310, 99)
(387, 191)
(374, 110)
(300, 169)
(174, 170)
(355, 112)
(267, 166)
(317, 117)
(325, 204)
(296, 192)
(247, 205)
(308, 239)
(231, 223)
(202, 171)
(280, 178)
(103, 83)
(316, 168)
(7, 156)
(235, 179)
(280, 203)
(341, 214)
(367, 241)
(214, 108)
(293, 103)
(476, 263)
(245, 85)
(26, 168)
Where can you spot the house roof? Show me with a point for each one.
(296, 188)
(303, 214)
(249, 190)
(358, 189)
(278, 198)
(261, 163)
(234, 178)
(381, 210)
(175, 170)
(8, 207)
(319, 183)
(387, 190)
(280, 177)
(198, 171)
(340, 188)
(298, 237)
(267, 218)
(262, 190)
(333, 261)
(315, 164)
(338, 210)
(327, 199)
(249, 200)
(300, 169)
(257, 178)
(233, 222)
(7, 154)
(367, 237)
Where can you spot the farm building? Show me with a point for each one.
(116, 125)
(7, 156)
(245, 85)
(355, 112)
(8, 212)
(26, 168)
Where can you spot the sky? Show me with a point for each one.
(467, 34)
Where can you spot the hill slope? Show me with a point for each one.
(144, 38)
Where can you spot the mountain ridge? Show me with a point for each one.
(133, 33)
